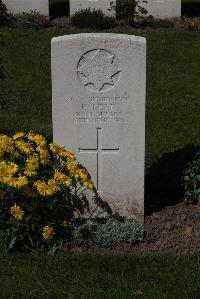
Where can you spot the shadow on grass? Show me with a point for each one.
(191, 9)
(59, 9)
(162, 182)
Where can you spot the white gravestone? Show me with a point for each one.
(19, 6)
(98, 83)
(104, 5)
(163, 8)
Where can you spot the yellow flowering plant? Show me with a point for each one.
(39, 184)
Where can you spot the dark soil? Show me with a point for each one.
(174, 229)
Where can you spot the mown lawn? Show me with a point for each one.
(77, 276)
(172, 107)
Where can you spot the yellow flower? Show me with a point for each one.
(48, 232)
(42, 188)
(89, 184)
(40, 140)
(17, 182)
(18, 135)
(30, 173)
(81, 174)
(7, 143)
(59, 176)
(62, 152)
(5, 178)
(72, 167)
(3, 165)
(7, 170)
(24, 147)
(47, 189)
(71, 157)
(17, 212)
(32, 163)
(44, 155)
(53, 185)
(54, 148)
(37, 138)
(67, 182)
(31, 166)
(22, 181)
(31, 136)
(62, 178)
(12, 168)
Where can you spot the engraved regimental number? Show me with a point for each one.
(99, 70)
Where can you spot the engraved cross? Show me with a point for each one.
(99, 151)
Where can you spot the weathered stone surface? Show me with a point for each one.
(163, 8)
(104, 5)
(19, 6)
(98, 83)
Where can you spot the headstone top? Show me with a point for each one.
(101, 36)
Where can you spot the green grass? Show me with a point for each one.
(172, 109)
(100, 276)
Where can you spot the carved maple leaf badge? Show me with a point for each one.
(98, 69)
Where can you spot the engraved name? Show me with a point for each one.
(99, 109)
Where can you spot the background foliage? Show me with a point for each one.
(31, 20)
(191, 181)
(4, 16)
(94, 19)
